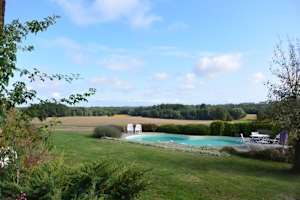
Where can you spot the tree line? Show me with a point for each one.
(224, 112)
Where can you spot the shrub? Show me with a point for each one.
(231, 129)
(245, 128)
(195, 129)
(262, 126)
(120, 128)
(149, 127)
(264, 131)
(169, 128)
(190, 129)
(106, 131)
(234, 129)
(267, 154)
(97, 180)
(217, 128)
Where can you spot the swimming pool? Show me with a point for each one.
(196, 141)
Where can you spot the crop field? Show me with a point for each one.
(89, 123)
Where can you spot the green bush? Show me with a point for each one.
(195, 129)
(149, 127)
(120, 128)
(97, 180)
(106, 131)
(190, 129)
(169, 128)
(267, 154)
(245, 128)
(234, 129)
(262, 126)
(217, 128)
(231, 129)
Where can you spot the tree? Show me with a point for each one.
(284, 92)
(25, 174)
(237, 113)
(16, 131)
(2, 13)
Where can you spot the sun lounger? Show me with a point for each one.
(130, 128)
(138, 128)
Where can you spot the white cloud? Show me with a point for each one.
(189, 81)
(190, 77)
(143, 21)
(114, 83)
(162, 76)
(135, 12)
(258, 78)
(121, 62)
(173, 51)
(212, 66)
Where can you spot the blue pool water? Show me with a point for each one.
(196, 141)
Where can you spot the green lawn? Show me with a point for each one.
(181, 175)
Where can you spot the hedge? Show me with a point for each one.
(195, 129)
(219, 128)
(169, 128)
(149, 127)
(106, 131)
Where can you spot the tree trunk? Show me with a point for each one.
(296, 166)
(2, 13)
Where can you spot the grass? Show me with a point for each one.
(181, 175)
(89, 123)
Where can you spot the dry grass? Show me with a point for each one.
(89, 123)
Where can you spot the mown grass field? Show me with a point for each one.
(89, 123)
(178, 175)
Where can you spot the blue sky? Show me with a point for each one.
(144, 52)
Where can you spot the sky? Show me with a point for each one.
(146, 52)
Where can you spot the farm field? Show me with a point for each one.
(89, 123)
(175, 175)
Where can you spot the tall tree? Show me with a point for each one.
(16, 130)
(2, 10)
(284, 92)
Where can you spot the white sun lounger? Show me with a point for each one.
(130, 128)
(138, 129)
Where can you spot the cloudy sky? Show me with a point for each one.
(144, 52)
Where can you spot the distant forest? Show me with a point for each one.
(224, 112)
